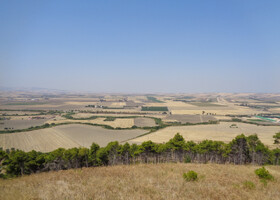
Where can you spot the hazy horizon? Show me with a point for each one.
(67, 91)
(141, 46)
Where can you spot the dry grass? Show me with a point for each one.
(162, 181)
(218, 132)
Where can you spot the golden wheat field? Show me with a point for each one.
(145, 181)
(65, 136)
(121, 123)
(219, 132)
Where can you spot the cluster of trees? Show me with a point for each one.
(241, 150)
(277, 138)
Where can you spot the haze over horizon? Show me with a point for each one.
(141, 46)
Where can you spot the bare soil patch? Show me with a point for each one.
(21, 123)
(189, 118)
(144, 122)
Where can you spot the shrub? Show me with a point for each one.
(190, 176)
(236, 120)
(249, 185)
(110, 119)
(263, 174)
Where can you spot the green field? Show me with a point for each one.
(256, 120)
(265, 118)
(155, 100)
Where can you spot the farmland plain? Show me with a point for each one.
(33, 120)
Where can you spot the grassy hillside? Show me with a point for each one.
(145, 181)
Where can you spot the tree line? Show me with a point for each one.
(241, 150)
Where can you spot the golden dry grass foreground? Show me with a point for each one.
(150, 181)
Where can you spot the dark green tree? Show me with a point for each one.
(239, 150)
(83, 157)
(148, 147)
(276, 138)
(177, 142)
(92, 154)
(276, 153)
(34, 161)
(16, 163)
(108, 153)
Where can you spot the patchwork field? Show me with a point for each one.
(223, 110)
(219, 132)
(222, 107)
(66, 136)
(55, 107)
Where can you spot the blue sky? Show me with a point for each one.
(141, 46)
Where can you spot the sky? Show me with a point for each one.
(147, 46)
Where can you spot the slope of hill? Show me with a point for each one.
(145, 181)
